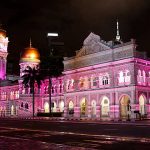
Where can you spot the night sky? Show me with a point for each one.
(73, 20)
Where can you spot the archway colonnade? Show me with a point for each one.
(101, 108)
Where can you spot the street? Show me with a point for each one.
(75, 135)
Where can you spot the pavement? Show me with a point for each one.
(82, 120)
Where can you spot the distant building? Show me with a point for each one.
(105, 80)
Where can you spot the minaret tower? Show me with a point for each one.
(118, 35)
(3, 53)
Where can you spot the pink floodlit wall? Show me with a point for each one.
(100, 83)
(101, 91)
(2, 69)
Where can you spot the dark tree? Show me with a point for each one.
(51, 66)
(30, 77)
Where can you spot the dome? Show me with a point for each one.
(2, 32)
(30, 54)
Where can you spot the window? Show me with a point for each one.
(21, 104)
(148, 78)
(81, 83)
(52, 90)
(84, 83)
(94, 81)
(12, 95)
(16, 94)
(121, 77)
(60, 88)
(70, 84)
(124, 77)
(26, 106)
(127, 77)
(55, 89)
(144, 76)
(45, 90)
(141, 77)
(105, 80)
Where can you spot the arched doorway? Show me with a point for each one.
(61, 106)
(105, 107)
(83, 106)
(12, 112)
(46, 107)
(71, 108)
(1, 111)
(93, 108)
(142, 108)
(125, 107)
(54, 107)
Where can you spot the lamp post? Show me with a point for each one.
(50, 36)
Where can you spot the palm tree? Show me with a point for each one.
(31, 76)
(52, 66)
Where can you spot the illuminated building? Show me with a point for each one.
(105, 80)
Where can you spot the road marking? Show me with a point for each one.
(106, 137)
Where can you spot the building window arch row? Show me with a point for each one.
(124, 77)
(4, 95)
(93, 107)
(105, 106)
(12, 95)
(16, 93)
(104, 79)
(142, 104)
(141, 77)
(94, 81)
(84, 82)
(70, 106)
(70, 84)
(148, 78)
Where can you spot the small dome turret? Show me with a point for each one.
(30, 54)
(2, 32)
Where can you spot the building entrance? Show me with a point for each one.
(125, 108)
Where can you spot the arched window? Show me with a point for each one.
(52, 90)
(148, 78)
(127, 77)
(105, 80)
(139, 77)
(124, 77)
(94, 81)
(12, 95)
(56, 89)
(144, 77)
(45, 90)
(26, 106)
(68, 84)
(60, 88)
(121, 77)
(81, 82)
(21, 104)
(139, 72)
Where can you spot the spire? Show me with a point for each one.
(30, 43)
(117, 36)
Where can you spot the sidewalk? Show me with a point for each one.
(80, 120)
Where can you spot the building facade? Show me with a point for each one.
(105, 80)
